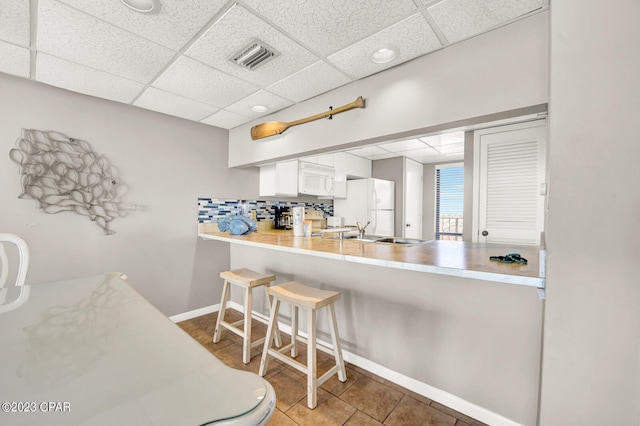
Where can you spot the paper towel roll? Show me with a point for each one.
(298, 221)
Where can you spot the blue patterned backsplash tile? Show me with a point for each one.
(210, 209)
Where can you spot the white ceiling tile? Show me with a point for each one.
(173, 25)
(269, 100)
(454, 148)
(450, 138)
(384, 156)
(459, 19)
(438, 159)
(410, 38)
(233, 32)
(67, 33)
(405, 145)
(226, 119)
(194, 80)
(309, 82)
(104, 49)
(168, 103)
(432, 156)
(423, 152)
(14, 22)
(71, 76)
(453, 157)
(15, 60)
(329, 25)
(444, 139)
(367, 151)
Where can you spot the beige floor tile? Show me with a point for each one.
(361, 419)
(205, 323)
(372, 398)
(406, 391)
(336, 387)
(275, 367)
(367, 373)
(329, 411)
(419, 397)
(411, 412)
(231, 355)
(289, 389)
(456, 414)
(376, 399)
(280, 419)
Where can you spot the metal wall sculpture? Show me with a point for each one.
(64, 174)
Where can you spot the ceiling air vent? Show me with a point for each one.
(254, 54)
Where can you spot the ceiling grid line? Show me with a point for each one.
(175, 59)
(219, 15)
(33, 36)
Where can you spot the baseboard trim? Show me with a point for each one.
(195, 313)
(445, 398)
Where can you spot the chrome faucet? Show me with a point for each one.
(361, 228)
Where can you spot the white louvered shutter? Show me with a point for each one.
(511, 175)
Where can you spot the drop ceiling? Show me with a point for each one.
(430, 149)
(175, 60)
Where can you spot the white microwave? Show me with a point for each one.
(315, 179)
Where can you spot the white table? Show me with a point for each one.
(92, 351)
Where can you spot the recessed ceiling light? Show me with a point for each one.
(383, 55)
(142, 6)
(259, 108)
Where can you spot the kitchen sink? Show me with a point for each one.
(353, 236)
(401, 241)
(366, 238)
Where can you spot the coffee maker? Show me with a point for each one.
(282, 217)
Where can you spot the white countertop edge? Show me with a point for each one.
(274, 247)
(463, 273)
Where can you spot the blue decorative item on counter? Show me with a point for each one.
(236, 225)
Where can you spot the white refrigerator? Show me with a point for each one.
(368, 200)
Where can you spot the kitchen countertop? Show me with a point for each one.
(462, 259)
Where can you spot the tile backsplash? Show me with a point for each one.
(210, 209)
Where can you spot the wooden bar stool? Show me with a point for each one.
(247, 279)
(310, 299)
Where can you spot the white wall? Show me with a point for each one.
(591, 363)
(167, 163)
(429, 202)
(498, 71)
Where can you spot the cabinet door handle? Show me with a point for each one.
(485, 233)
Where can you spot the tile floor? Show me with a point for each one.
(364, 399)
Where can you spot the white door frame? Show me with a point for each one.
(475, 230)
(418, 224)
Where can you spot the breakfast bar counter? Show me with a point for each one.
(438, 318)
(462, 259)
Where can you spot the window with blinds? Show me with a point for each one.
(449, 202)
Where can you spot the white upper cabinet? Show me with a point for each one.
(353, 166)
(280, 179)
(268, 180)
(323, 159)
(326, 160)
(349, 166)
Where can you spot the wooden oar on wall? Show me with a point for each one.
(271, 128)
